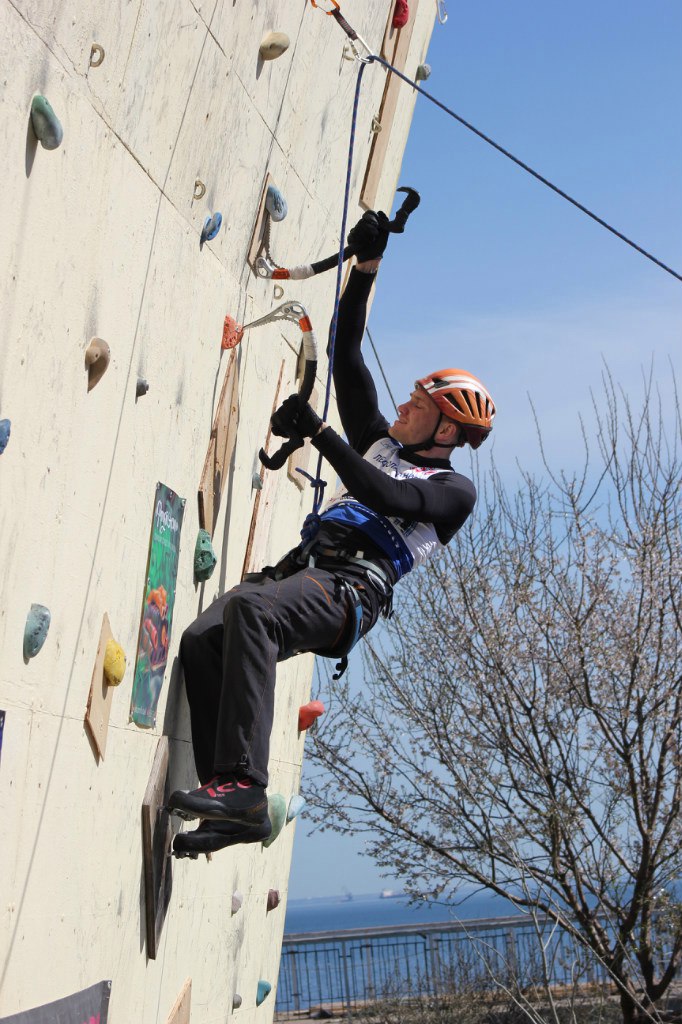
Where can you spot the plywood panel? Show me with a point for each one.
(220, 448)
(101, 695)
(257, 542)
(156, 836)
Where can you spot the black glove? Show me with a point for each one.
(369, 237)
(295, 420)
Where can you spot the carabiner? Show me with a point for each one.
(326, 6)
(440, 10)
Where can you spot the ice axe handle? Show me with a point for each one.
(278, 458)
(410, 203)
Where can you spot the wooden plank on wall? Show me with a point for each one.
(156, 836)
(389, 104)
(101, 695)
(257, 542)
(180, 1012)
(220, 448)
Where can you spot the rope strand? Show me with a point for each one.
(525, 167)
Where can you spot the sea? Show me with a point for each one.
(370, 910)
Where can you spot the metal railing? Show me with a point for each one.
(345, 970)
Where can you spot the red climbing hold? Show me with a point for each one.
(232, 333)
(308, 713)
(401, 14)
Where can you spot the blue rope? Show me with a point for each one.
(319, 484)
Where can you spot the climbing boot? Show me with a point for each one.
(212, 836)
(224, 798)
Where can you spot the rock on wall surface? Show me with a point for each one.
(101, 239)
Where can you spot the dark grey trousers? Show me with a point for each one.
(230, 653)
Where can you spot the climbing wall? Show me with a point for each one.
(153, 118)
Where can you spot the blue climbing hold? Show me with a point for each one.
(35, 630)
(275, 203)
(45, 123)
(211, 228)
(5, 431)
(264, 990)
(296, 805)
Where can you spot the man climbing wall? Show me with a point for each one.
(399, 501)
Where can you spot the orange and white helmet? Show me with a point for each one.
(461, 397)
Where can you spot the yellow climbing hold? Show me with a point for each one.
(114, 663)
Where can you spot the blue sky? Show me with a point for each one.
(499, 275)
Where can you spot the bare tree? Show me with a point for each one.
(520, 721)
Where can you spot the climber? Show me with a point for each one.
(400, 500)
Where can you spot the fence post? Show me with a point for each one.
(346, 981)
(294, 981)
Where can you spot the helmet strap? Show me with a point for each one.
(430, 442)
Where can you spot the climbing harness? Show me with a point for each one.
(374, 58)
(267, 267)
(294, 312)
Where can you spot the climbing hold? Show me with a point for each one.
(256, 481)
(96, 55)
(264, 990)
(114, 662)
(46, 126)
(423, 72)
(232, 333)
(277, 811)
(35, 630)
(296, 805)
(141, 388)
(237, 900)
(273, 900)
(307, 714)
(275, 203)
(273, 45)
(204, 557)
(199, 189)
(401, 14)
(211, 228)
(236, 1001)
(97, 356)
(5, 431)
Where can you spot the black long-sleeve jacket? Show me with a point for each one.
(394, 508)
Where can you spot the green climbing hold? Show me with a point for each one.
(45, 123)
(35, 630)
(277, 809)
(264, 990)
(204, 557)
(296, 805)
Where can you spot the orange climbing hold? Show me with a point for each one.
(232, 333)
(307, 714)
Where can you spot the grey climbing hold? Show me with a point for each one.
(45, 123)
(275, 203)
(35, 630)
(273, 45)
(97, 356)
(423, 72)
(277, 810)
(5, 431)
(211, 228)
(96, 55)
(237, 900)
(273, 899)
(204, 557)
(141, 388)
(296, 805)
(236, 1001)
(263, 991)
(256, 481)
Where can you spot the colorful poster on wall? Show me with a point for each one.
(88, 1007)
(157, 609)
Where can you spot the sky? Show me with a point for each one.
(497, 274)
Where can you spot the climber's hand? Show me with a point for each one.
(369, 237)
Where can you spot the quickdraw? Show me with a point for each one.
(331, 7)
(267, 267)
(295, 312)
